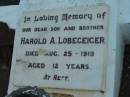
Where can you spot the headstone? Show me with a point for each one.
(63, 48)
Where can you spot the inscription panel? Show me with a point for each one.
(62, 48)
